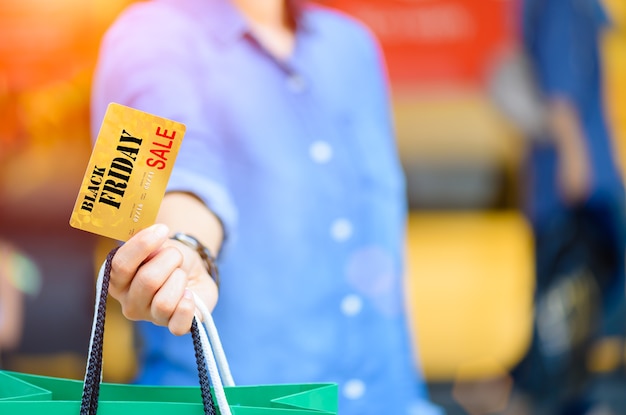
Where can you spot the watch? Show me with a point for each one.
(203, 251)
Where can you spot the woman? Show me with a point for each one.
(288, 170)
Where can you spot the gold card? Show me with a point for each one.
(127, 173)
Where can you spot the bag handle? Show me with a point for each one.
(205, 352)
(215, 357)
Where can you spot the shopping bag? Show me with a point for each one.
(29, 394)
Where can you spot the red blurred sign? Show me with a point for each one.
(430, 42)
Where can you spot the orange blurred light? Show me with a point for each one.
(49, 40)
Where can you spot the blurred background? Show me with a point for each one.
(471, 274)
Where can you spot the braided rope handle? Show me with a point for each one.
(203, 348)
(216, 359)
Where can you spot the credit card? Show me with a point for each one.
(127, 174)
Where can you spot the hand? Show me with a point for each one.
(573, 176)
(153, 278)
(574, 168)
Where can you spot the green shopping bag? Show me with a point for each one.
(28, 394)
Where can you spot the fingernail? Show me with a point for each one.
(188, 294)
(160, 230)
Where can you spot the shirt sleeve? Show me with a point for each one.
(147, 62)
(372, 101)
(551, 29)
(563, 36)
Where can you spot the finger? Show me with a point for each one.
(148, 280)
(180, 322)
(167, 298)
(133, 253)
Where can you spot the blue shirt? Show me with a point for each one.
(562, 38)
(297, 159)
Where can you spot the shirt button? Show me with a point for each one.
(296, 83)
(321, 152)
(351, 305)
(341, 230)
(354, 389)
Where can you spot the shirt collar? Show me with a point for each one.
(220, 18)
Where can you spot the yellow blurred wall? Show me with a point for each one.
(614, 55)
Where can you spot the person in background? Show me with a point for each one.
(19, 277)
(288, 173)
(11, 300)
(573, 196)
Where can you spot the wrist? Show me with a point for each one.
(208, 259)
